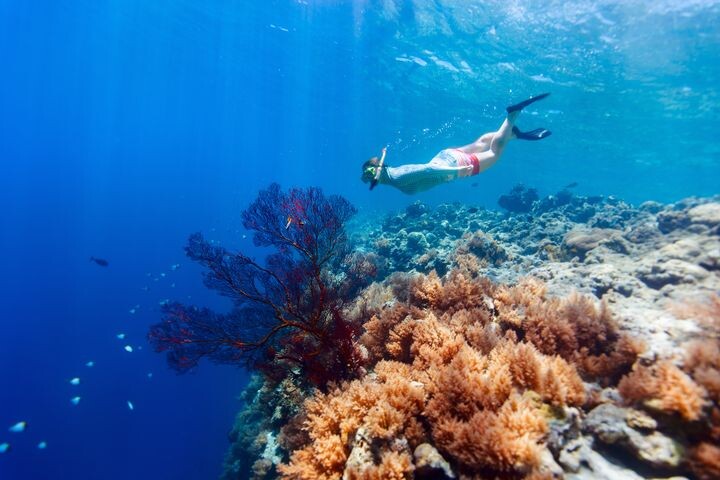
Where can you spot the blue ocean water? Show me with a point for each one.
(127, 125)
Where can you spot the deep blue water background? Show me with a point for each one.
(127, 125)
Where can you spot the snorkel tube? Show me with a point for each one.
(378, 172)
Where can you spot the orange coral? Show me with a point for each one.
(705, 461)
(479, 418)
(377, 331)
(663, 386)
(508, 440)
(467, 264)
(482, 247)
(426, 291)
(702, 362)
(573, 327)
(381, 406)
(707, 312)
(463, 364)
(458, 380)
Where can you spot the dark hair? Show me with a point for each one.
(373, 162)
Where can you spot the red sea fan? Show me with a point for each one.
(287, 311)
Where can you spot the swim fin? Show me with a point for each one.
(525, 103)
(537, 134)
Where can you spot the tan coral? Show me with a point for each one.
(665, 387)
(448, 366)
(702, 362)
(378, 328)
(426, 291)
(706, 311)
(508, 440)
(467, 263)
(705, 461)
(511, 301)
(382, 406)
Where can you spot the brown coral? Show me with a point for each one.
(706, 311)
(482, 247)
(574, 328)
(705, 461)
(381, 406)
(663, 386)
(504, 441)
(702, 362)
(459, 377)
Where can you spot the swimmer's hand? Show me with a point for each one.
(375, 180)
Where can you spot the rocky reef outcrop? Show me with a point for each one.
(566, 337)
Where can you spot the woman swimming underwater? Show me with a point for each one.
(453, 163)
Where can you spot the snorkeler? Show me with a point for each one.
(453, 163)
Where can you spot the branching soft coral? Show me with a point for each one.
(506, 441)
(455, 293)
(574, 328)
(705, 461)
(691, 392)
(702, 362)
(686, 392)
(460, 379)
(663, 386)
(478, 250)
(706, 311)
(381, 407)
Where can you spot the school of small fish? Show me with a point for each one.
(22, 425)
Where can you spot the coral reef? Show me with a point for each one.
(567, 337)
(690, 391)
(520, 199)
(602, 246)
(450, 372)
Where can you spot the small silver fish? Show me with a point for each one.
(18, 427)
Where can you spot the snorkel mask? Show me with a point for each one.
(370, 172)
(377, 170)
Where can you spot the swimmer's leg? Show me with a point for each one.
(508, 130)
(496, 141)
(482, 144)
(505, 133)
(493, 141)
(488, 148)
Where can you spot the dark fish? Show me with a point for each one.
(571, 185)
(100, 261)
(473, 210)
(475, 184)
